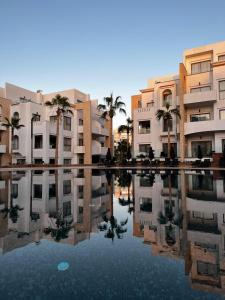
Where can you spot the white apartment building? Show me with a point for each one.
(83, 136)
(198, 91)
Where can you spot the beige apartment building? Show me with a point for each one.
(84, 137)
(198, 90)
(4, 134)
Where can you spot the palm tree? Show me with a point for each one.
(127, 128)
(167, 116)
(62, 106)
(12, 124)
(109, 109)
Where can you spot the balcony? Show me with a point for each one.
(97, 149)
(2, 128)
(79, 149)
(196, 99)
(204, 126)
(2, 149)
(98, 129)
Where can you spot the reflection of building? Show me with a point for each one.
(199, 92)
(197, 218)
(78, 197)
(84, 136)
(4, 133)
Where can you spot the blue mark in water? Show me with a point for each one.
(63, 266)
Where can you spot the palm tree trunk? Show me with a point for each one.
(57, 139)
(168, 155)
(127, 139)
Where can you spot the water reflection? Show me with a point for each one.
(180, 216)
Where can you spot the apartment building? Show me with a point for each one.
(198, 90)
(83, 137)
(4, 133)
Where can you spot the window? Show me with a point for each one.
(80, 191)
(148, 104)
(81, 159)
(81, 122)
(200, 89)
(221, 57)
(222, 89)
(200, 182)
(144, 148)
(66, 187)
(66, 209)
(16, 115)
(200, 117)
(200, 67)
(173, 147)
(37, 191)
(38, 141)
(52, 141)
(166, 123)
(145, 204)
(146, 181)
(67, 123)
(81, 142)
(171, 180)
(15, 142)
(52, 190)
(53, 119)
(144, 127)
(14, 190)
(167, 97)
(139, 104)
(203, 215)
(208, 269)
(204, 146)
(67, 161)
(222, 114)
(67, 144)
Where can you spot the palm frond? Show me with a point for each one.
(101, 107)
(160, 113)
(175, 112)
(123, 111)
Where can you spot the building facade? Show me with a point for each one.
(198, 91)
(4, 133)
(83, 136)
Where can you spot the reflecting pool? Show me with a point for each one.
(114, 234)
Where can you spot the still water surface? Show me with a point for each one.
(89, 234)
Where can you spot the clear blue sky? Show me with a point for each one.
(99, 46)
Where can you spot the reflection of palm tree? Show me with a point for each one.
(12, 212)
(112, 228)
(125, 180)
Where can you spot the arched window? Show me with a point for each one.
(16, 115)
(167, 97)
(15, 142)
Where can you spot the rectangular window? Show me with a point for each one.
(52, 141)
(66, 209)
(15, 142)
(66, 187)
(201, 67)
(67, 161)
(81, 122)
(144, 127)
(139, 104)
(222, 114)
(166, 124)
(146, 204)
(221, 57)
(67, 123)
(222, 89)
(38, 141)
(67, 144)
(203, 215)
(80, 191)
(200, 89)
(52, 190)
(206, 269)
(144, 148)
(38, 191)
(14, 190)
(81, 142)
(53, 119)
(173, 146)
(146, 181)
(205, 146)
(200, 182)
(200, 117)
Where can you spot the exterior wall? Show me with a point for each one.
(94, 132)
(4, 133)
(188, 103)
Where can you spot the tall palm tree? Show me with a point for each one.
(62, 106)
(109, 110)
(167, 116)
(128, 128)
(12, 124)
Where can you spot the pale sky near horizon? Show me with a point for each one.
(101, 46)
